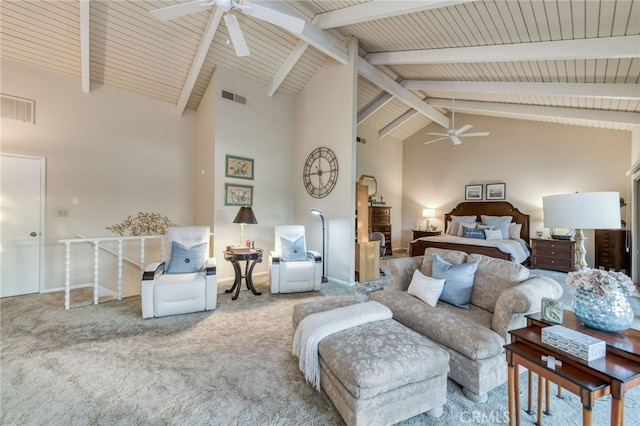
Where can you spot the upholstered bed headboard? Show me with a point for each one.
(492, 208)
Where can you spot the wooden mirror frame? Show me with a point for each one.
(370, 182)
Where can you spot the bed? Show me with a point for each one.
(470, 245)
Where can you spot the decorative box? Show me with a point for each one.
(573, 342)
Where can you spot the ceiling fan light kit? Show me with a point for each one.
(454, 134)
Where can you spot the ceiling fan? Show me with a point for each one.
(455, 134)
(268, 14)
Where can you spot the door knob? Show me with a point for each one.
(34, 234)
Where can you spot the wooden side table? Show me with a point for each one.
(418, 234)
(251, 257)
(619, 370)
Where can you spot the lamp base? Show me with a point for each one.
(581, 252)
(324, 280)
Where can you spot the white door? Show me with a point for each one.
(20, 212)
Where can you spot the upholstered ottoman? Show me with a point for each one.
(381, 372)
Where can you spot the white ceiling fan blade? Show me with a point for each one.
(466, 135)
(435, 140)
(237, 38)
(462, 129)
(437, 134)
(276, 17)
(182, 9)
(455, 140)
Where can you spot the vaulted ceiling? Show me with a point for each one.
(561, 61)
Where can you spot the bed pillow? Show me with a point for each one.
(514, 230)
(456, 220)
(185, 259)
(293, 250)
(473, 233)
(493, 234)
(425, 288)
(458, 284)
(498, 222)
(463, 226)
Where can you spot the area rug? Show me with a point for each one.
(104, 365)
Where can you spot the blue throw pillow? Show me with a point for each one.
(293, 250)
(187, 259)
(458, 281)
(473, 233)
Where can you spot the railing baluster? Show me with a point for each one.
(120, 269)
(142, 254)
(96, 270)
(67, 275)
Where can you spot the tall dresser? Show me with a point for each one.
(611, 250)
(380, 221)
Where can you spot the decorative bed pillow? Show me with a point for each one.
(464, 226)
(498, 222)
(425, 288)
(293, 250)
(458, 283)
(514, 230)
(493, 234)
(185, 259)
(473, 233)
(456, 220)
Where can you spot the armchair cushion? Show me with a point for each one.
(187, 259)
(293, 250)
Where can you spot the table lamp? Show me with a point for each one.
(428, 214)
(245, 215)
(582, 210)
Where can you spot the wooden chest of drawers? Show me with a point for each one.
(611, 250)
(380, 221)
(556, 255)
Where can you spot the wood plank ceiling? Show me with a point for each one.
(571, 62)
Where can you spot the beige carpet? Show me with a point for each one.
(105, 365)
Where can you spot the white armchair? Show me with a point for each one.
(185, 281)
(293, 268)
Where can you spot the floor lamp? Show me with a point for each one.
(319, 213)
(582, 210)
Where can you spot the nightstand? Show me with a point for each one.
(555, 255)
(418, 234)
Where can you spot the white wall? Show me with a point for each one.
(533, 159)
(110, 154)
(263, 130)
(325, 116)
(382, 158)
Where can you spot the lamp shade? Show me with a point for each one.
(428, 213)
(245, 215)
(582, 210)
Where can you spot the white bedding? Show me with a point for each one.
(515, 248)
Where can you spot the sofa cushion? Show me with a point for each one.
(458, 281)
(426, 288)
(492, 278)
(465, 331)
(454, 257)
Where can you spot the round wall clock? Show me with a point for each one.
(320, 172)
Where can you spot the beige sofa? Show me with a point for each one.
(503, 293)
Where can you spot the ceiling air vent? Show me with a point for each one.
(360, 140)
(233, 97)
(17, 108)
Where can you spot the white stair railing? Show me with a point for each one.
(96, 260)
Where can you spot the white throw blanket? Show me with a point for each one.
(317, 326)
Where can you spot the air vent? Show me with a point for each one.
(360, 140)
(16, 108)
(233, 97)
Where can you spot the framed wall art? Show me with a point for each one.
(238, 195)
(238, 167)
(496, 191)
(473, 192)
